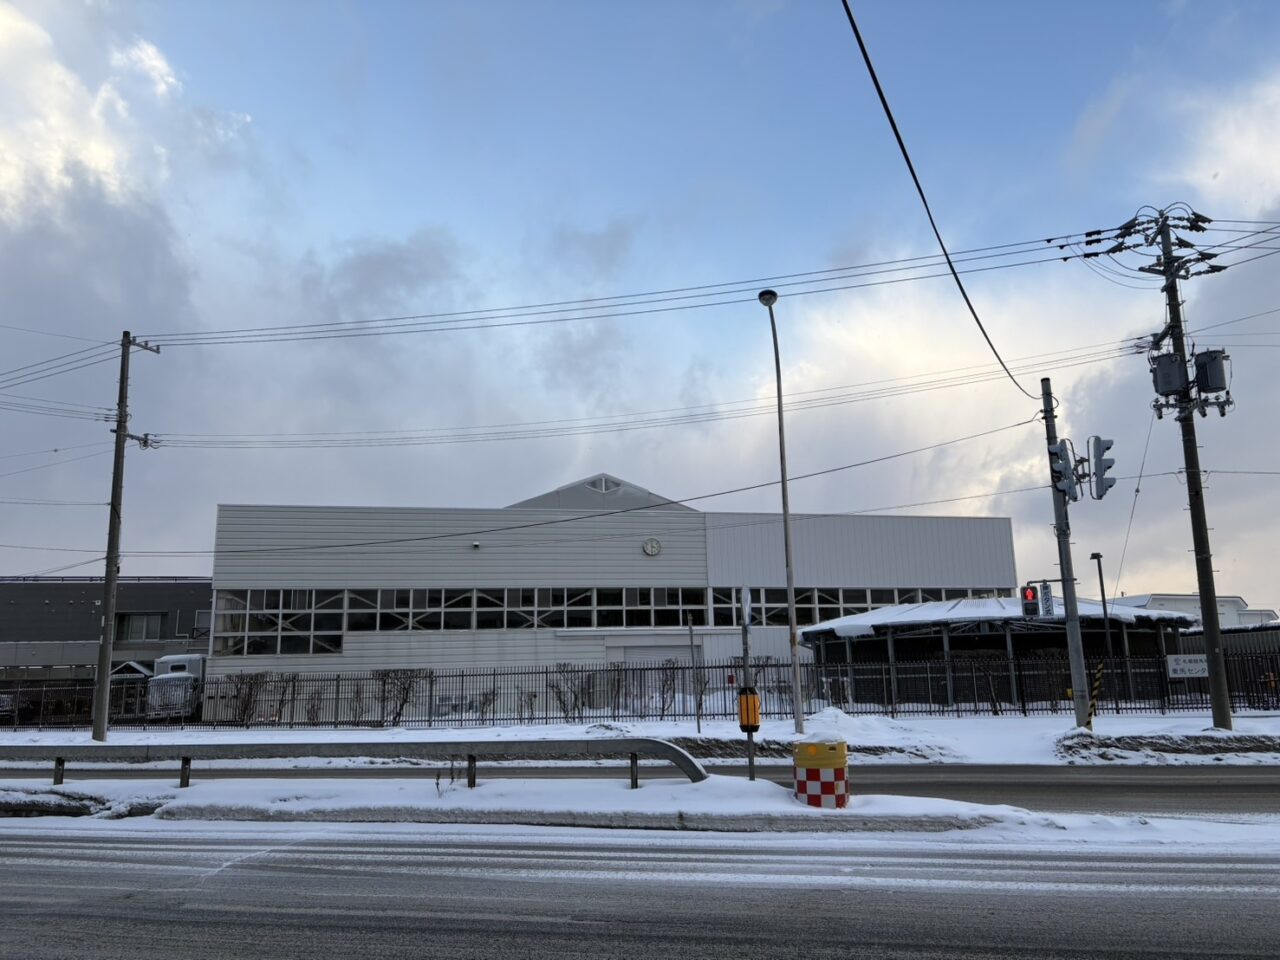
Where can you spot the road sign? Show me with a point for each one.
(1183, 666)
(1046, 599)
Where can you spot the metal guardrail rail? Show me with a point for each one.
(469, 750)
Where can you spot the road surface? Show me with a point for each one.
(1052, 789)
(106, 892)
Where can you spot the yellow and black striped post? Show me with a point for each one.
(1096, 692)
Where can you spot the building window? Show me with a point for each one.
(132, 627)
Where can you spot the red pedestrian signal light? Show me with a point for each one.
(1030, 601)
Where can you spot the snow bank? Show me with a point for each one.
(871, 739)
(717, 804)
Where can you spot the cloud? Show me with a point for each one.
(50, 122)
(144, 58)
(1232, 144)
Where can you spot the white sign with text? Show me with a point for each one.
(1183, 666)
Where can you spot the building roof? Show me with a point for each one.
(1144, 599)
(600, 492)
(975, 610)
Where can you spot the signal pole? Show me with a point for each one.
(102, 681)
(1062, 529)
(1219, 694)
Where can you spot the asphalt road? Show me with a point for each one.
(108, 894)
(1053, 789)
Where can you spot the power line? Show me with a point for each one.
(51, 408)
(902, 146)
(55, 463)
(541, 523)
(36, 453)
(69, 566)
(1133, 509)
(41, 363)
(69, 367)
(392, 326)
(51, 333)
(31, 502)
(664, 295)
(608, 424)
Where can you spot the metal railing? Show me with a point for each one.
(578, 693)
(466, 751)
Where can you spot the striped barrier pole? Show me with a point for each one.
(1095, 694)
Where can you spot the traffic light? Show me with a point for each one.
(1099, 465)
(1063, 468)
(1030, 601)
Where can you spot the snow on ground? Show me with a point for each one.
(720, 803)
(871, 739)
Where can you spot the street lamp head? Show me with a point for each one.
(1095, 556)
(768, 297)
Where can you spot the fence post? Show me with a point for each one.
(1019, 691)
(59, 768)
(17, 704)
(471, 770)
(635, 771)
(337, 698)
(184, 773)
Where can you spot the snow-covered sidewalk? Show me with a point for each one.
(1136, 738)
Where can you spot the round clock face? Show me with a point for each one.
(651, 547)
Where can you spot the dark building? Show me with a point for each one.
(50, 626)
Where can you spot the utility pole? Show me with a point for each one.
(1062, 528)
(106, 643)
(1219, 694)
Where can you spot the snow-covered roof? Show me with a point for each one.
(978, 609)
(1144, 599)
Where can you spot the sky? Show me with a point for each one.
(168, 168)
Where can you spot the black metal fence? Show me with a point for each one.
(576, 693)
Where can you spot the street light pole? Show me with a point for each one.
(1102, 590)
(769, 298)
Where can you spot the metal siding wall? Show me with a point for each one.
(444, 650)
(852, 551)
(600, 552)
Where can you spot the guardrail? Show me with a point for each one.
(470, 750)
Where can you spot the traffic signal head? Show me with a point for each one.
(1030, 601)
(1063, 469)
(1099, 465)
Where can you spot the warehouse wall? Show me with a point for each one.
(861, 551)
(257, 546)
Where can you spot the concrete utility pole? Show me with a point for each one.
(1062, 528)
(1219, 694)
(769, 298)
(106, 642)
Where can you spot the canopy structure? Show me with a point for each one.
(958, 613)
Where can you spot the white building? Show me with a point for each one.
(1232, 610)
(596, 571)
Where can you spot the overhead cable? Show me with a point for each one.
(902, 147)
